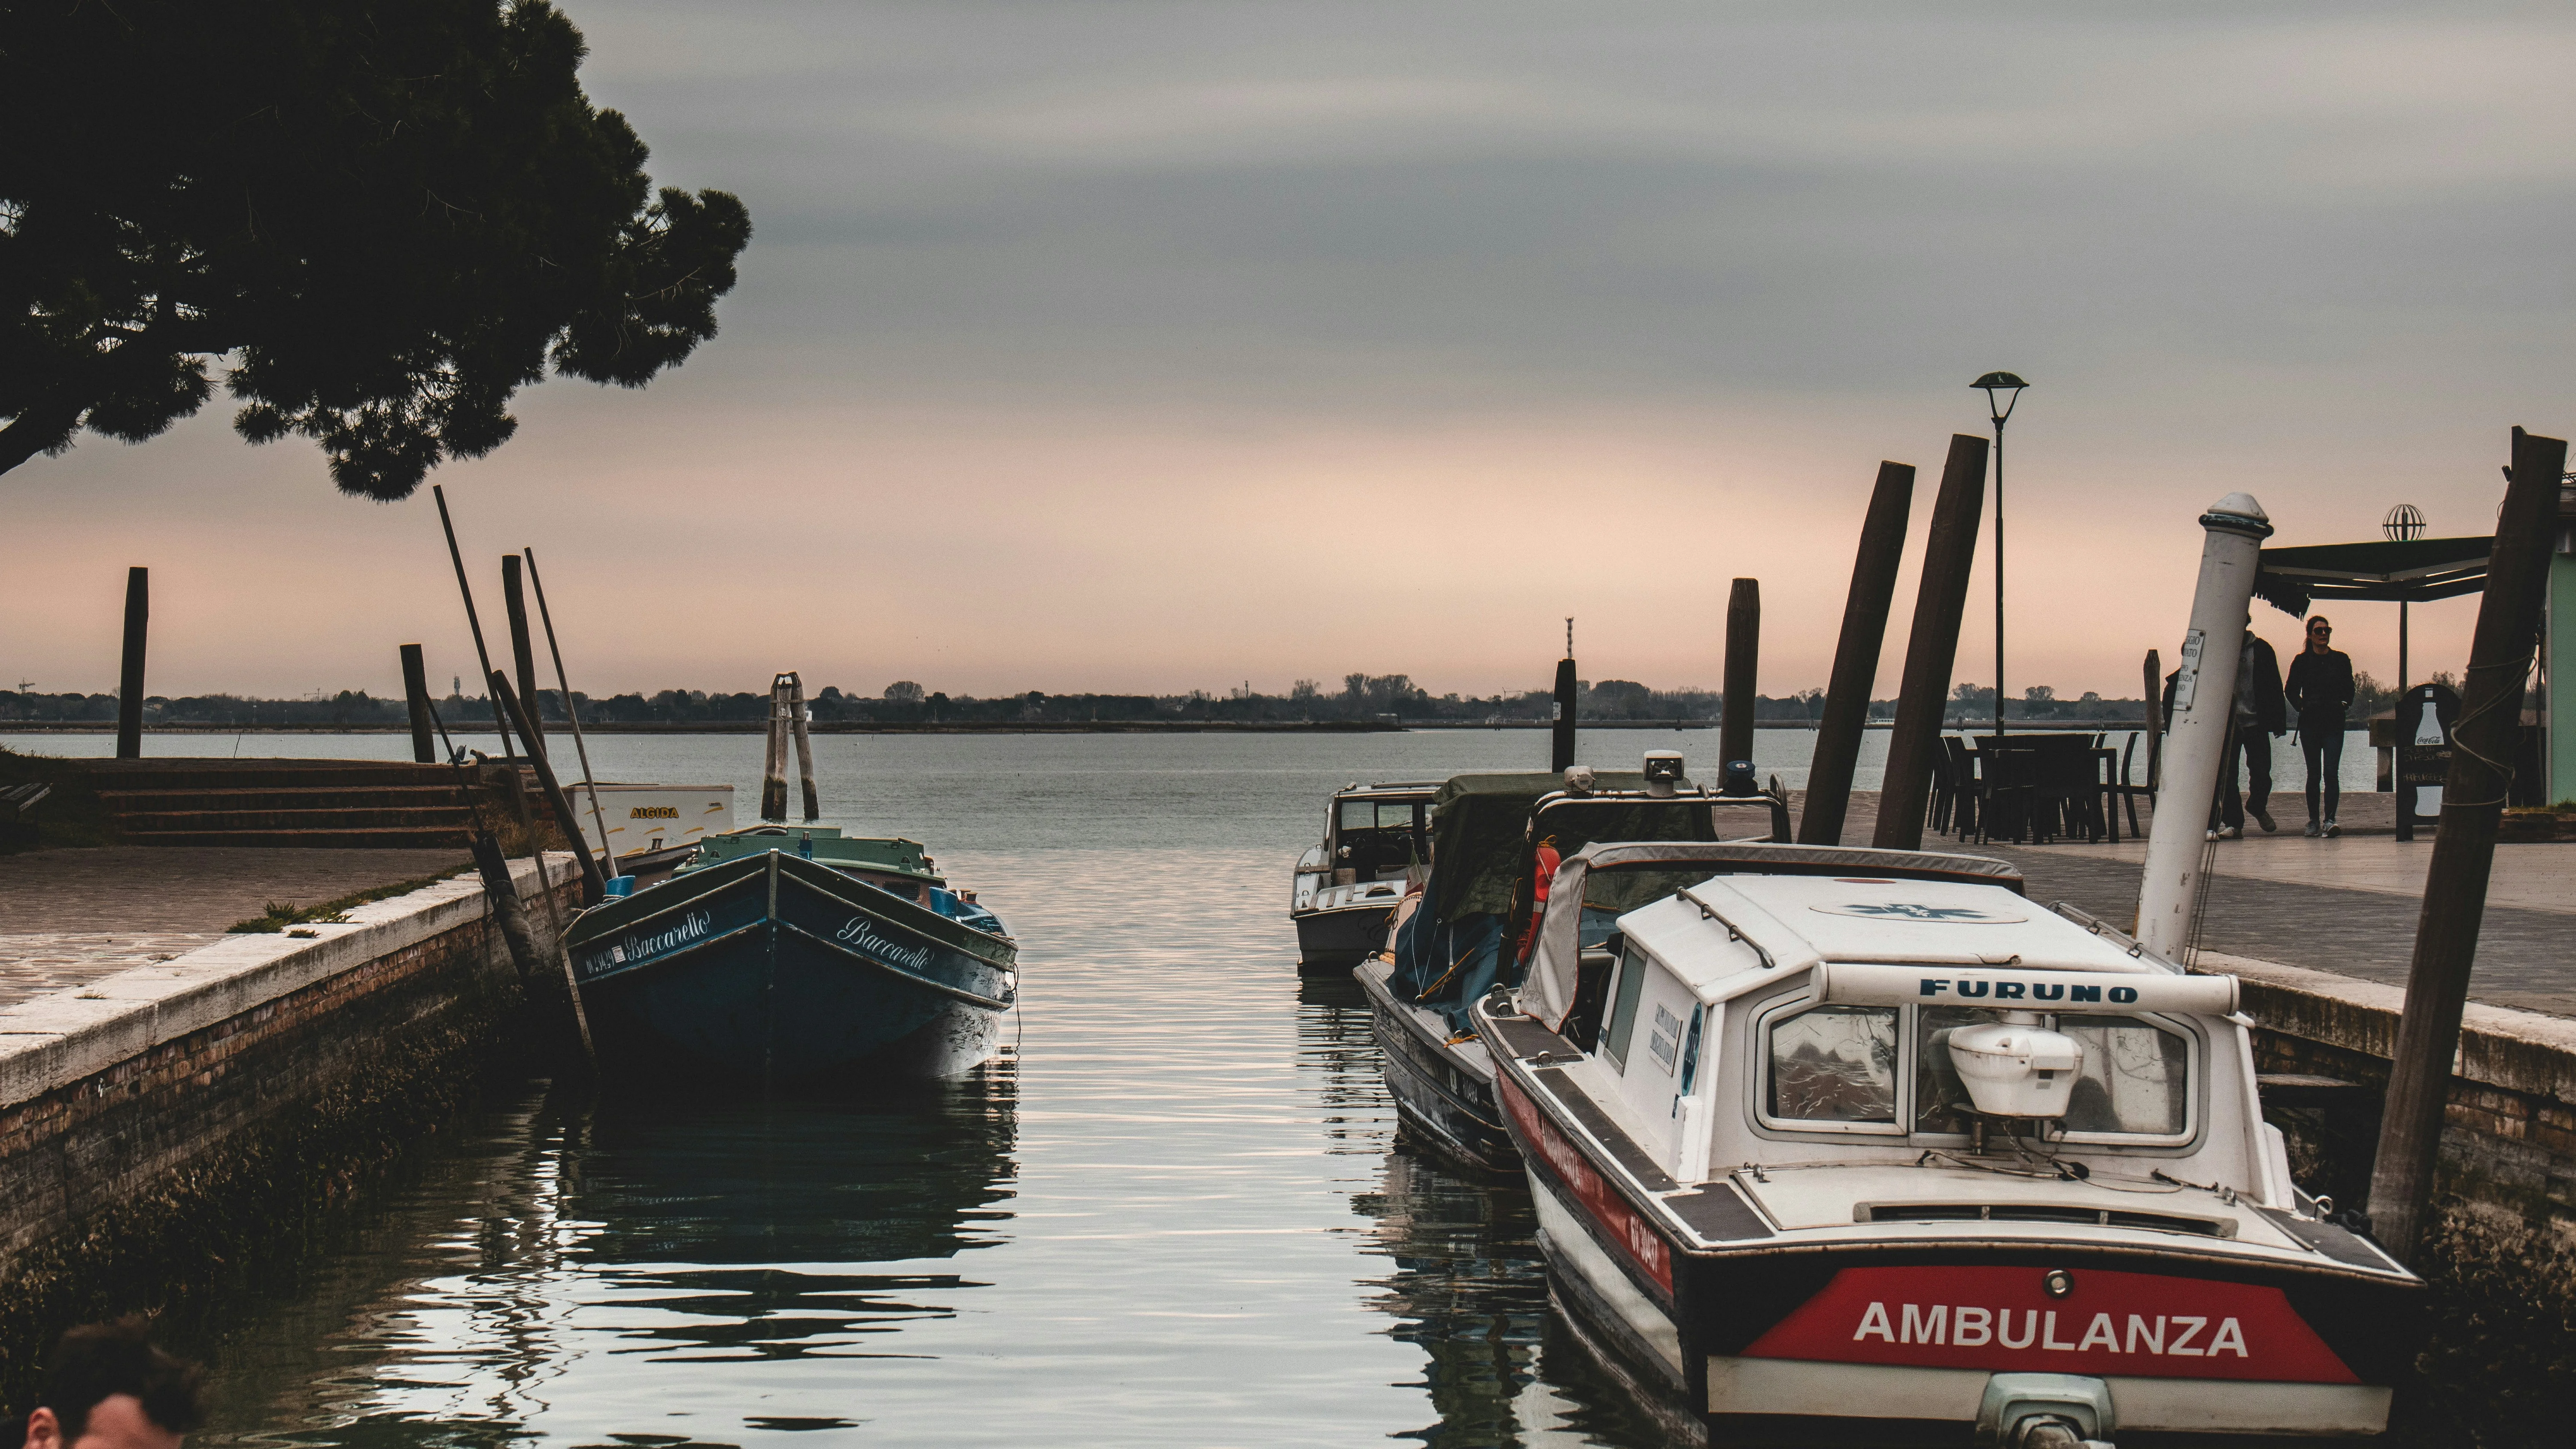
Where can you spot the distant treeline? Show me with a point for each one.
(1380, 698)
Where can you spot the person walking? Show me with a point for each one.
(2320, 689)
(2259, 716)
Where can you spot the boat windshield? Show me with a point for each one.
(1840, 1068)
(1379, 839)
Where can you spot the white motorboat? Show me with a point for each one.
(1376, 845)
(1834, 1143)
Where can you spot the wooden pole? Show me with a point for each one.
(1743, 659)
(773, 768)
(416, 695)
(1873, 589)
(2155, 718)
(594, 886)
(1932, 645)
(2455, 883)
(129, 689)
(1560, 757)
(581, 750)
(473, 621)
(514, 599)
(804, 746)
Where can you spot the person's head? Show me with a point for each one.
(2320, 634)
(110, 1388)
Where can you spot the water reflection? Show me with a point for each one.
(601, 1240)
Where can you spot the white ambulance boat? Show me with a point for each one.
(1840, 1144)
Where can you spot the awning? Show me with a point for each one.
(2414, 571)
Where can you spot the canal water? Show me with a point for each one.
(1178, 1212)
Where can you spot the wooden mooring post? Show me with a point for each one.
(523, 656)
(1743, 665)
(1932, 646)
(1560, 756)
(416, 696)
(129, 688)
(594, 885)
(1873, 588)
(2455, 882)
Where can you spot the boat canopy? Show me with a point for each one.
(1479, 824)
(1485, 834)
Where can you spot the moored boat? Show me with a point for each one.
(1844, 1143)
(783, 954)
(1496, 841)
(1376, 846)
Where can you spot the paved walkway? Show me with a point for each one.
(2348, 905)
(68, 917)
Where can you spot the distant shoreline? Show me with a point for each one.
(1002, 727)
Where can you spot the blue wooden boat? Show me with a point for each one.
(783, 954)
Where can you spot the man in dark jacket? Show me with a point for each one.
(2320, 689)
(2260, 714)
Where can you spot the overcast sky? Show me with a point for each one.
(1151, 346)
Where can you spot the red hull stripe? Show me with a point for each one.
(2002, 1319)
(1610, 1212)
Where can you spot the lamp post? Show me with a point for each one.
(2405, 521)
(2010, 386)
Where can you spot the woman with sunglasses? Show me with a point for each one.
(2320, 689)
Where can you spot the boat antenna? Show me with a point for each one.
(1569, 636)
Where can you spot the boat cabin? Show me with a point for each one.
(1894, 1065)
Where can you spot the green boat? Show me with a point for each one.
(781, 954)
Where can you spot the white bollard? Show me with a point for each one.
(2204, 696)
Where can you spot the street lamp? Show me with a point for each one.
(2404, 522)
(2010, 386)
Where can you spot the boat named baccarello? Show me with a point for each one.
(782, 954)
(1831, 1144)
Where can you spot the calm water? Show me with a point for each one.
(1177, 1214)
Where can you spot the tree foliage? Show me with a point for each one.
(387, 216)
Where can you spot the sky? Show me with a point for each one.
(1139, 346)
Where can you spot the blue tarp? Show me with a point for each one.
(1445, 965)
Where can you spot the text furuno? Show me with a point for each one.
(2029, 990)
(1972, 1327)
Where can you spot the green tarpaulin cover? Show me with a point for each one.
(1479, 823)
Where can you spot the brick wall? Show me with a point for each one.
(195, 1111)
(2509, 1135)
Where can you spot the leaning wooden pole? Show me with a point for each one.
(415, 674)
(572, 714)
(1743, 665)
(804, 746)
(523, 654)
(129, 688)
(1873, 589)
(2455, 884)
(1932, 645)
(473, 621)
(773, 768)
(594, 885)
